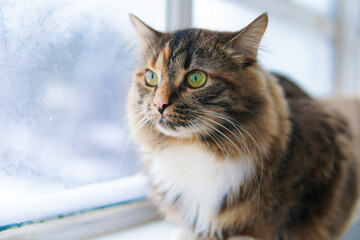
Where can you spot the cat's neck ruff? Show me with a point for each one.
(195, 181)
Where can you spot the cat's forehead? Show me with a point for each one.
(192, 37)
(186, 41)
(191, 41)
(185, 50)
(169, 64)
(175, 46)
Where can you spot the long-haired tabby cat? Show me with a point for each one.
(230, 149)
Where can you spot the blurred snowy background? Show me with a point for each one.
(65, 70)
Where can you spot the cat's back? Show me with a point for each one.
(320, 144)
(317, 127)
(291, 90)
(311, 115)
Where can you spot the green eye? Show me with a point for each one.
(151, 78)
(196, 79)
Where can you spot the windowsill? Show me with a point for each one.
(39, 208)
(158, 230)
(86, 225)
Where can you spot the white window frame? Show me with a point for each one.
(178, 14)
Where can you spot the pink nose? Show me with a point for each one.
(161, 102)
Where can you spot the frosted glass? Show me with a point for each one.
(65, 70)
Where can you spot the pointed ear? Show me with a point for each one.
(247, 40)
(147, 34)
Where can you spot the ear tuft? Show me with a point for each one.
(247, 41)
(147, 34)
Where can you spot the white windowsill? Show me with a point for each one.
(86, 225)
(71, 201)
(158, 230)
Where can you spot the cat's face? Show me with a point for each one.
(193, 82)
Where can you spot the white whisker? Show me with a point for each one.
(204, 43)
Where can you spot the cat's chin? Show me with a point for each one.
(179, 132)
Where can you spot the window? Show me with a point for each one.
(65, 70)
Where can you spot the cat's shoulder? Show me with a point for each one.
(309, 113)
(291, 89)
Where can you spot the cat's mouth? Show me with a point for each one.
(169, 128)
(166, 123)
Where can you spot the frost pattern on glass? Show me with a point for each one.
(65, 69)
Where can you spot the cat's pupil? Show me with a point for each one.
(195, 77)
(152, 75)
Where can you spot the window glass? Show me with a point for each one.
(303, 55)
(65, 70)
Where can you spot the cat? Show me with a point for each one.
(233, 150)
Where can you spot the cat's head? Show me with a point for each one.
(197, 83)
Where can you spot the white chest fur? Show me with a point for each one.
(198, 179)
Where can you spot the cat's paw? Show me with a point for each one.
(181, 234)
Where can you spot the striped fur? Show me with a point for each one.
(248, 153)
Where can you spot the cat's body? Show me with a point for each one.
(247, 152)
